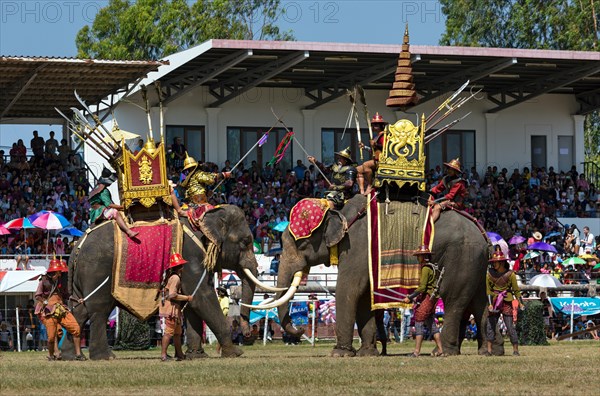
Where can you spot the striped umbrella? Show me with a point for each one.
(49, 220)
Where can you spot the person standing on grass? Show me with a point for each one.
(426, 296)
(49, 294)
(502, 288)
(170, 308)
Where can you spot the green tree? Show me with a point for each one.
(540, 24)
(153, 29)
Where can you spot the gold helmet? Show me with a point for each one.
(454, 164)
(345, 153)
(189, 162)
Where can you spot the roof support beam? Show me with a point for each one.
(24, 84)
(441, 85)
(523, 92)
(589, 101)
(235, 86)
(336, 88)
(176, 87)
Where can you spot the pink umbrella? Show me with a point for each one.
(4, 230)
(516, 240)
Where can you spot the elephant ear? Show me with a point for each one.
(335, 228)
(212, 226)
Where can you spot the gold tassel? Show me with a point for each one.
(212, 256)
(333, 255)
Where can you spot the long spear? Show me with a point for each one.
(363, 100)
(351, 96)
(299, 145)
(443, 129)
(454, 107)
(259, 142)
(97, 120)
(69, 123)
(145, 97)
(94, 134)
(162, 115)
(446, 102)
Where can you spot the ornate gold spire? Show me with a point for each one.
(403, 92)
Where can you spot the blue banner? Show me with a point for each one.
(580, 306)
(299, 313)
(258, 314)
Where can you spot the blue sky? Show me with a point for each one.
(49, 27)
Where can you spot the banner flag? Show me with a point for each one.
(581, 306)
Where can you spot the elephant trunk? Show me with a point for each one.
(284, 278)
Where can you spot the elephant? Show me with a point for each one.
(229, 230)
(458, 246)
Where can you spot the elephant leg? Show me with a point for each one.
(453, 315)
(68, 347)
(346, 302)
(367, 323)
(207, 307)
(99, 349)
(478, 308)
(194, 339)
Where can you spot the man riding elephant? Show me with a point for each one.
(102, 206)
(368, 168)
(196, 182)
(454, 188)
(343, 178)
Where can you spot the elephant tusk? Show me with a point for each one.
(250, 275)
(283, 299)
(267, 301)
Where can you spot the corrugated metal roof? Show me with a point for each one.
(31, 86)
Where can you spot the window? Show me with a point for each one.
(336, 139)
(538, 151)
(452, 144)
(241, 139)
(192, 138)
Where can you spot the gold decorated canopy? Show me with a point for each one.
(402, 160)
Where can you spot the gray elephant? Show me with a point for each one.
(458, 246)
(227, 226)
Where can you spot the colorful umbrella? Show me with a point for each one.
(493, 236)
(586, 256)
(552, 235)
(516, 240)
(71, 231)
(542, 246)
(574, 261)
(3, 230)
(545, 280)
(531, 255)
(17, 224)
(51, 221)
(281, 226)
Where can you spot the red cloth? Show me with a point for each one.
(425, 309)
(458, 190)
(148, 254)
(306, 216)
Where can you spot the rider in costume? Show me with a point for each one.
(102, 205)
(368, 168)
(53, 311)
(502, 288)
(426, 297)
(196, 184)
(342, 179)
(454, 188)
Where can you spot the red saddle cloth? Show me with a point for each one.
(139, 264)
(306, 216)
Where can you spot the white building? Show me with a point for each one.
(219, 96)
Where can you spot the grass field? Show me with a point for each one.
(558, 369)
